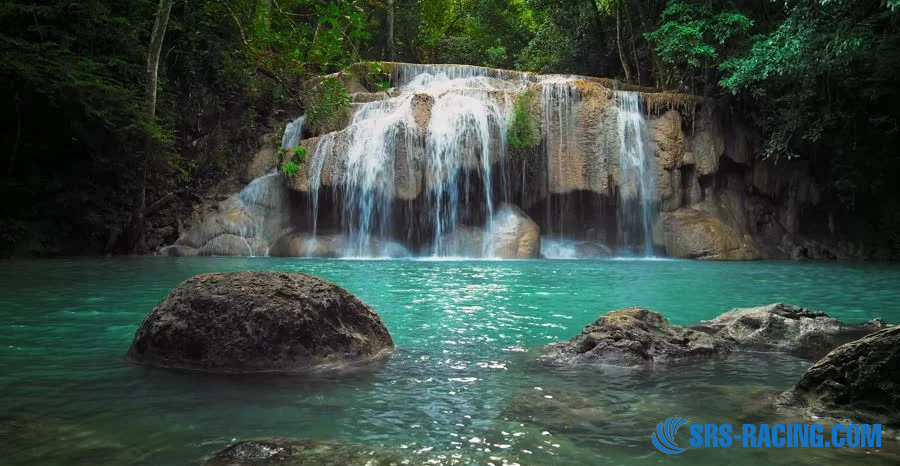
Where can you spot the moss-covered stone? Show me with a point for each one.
(635, 337)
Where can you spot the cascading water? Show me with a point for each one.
(465, 136)
(425, 163)
(636, 183)
(264, 199)
(558, 98)
(293, 132)
(316, 164)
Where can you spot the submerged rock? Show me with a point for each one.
(562, 412)
(291, 452)
(782, 327)
(40, 440)
(259, 322)
(635, 336)
(287, 452)
(859, 380)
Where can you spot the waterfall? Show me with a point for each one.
(293, 132)
(426, 164)
(558, 98)
(265, 200)
(315, 166)
(636, 183)
(462, 140)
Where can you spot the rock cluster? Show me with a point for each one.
(637, 336)
(632, 337)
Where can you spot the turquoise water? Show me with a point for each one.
(463, 387)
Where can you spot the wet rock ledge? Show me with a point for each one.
(638, 337)
(246, 322)
(859, 380)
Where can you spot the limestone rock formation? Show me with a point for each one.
(247, 322)
(635, 337)
(777, 327)
(512, 235)
(859, 380)
(412, 145)
(245, 224)
(693, 234)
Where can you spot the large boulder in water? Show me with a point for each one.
(632, 337)
(859, 380)
(782, 327)
(259, 322)
(692, 234)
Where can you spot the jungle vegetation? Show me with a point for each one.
(116, 109)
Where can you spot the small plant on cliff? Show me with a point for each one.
(292, 166)
(300, 154)
(523, 133)
(290, 169)
(279, 156)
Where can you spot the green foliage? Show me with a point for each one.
(300, 154)
(72, 79)
(475, 32)
(290, 169)
(328, 105)
(279, 156)
(292, 166)
(523, 133)
(371, 74)
(693, 36)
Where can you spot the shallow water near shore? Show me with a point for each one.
(462, 388)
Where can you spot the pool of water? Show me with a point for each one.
(463, 387)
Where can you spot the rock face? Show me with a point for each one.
(259, 322)
(692, 234)
(513, 235)
(859, 380)
(782, 327)
(286, 452)
(245, 224)
(711, 197)
(632, 337)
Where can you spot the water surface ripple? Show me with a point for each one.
(463, 388)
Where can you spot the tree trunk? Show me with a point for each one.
(390, 30)
(153, 53)
(136, 236)
(622, 57)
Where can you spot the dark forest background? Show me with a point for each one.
(115, 110)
